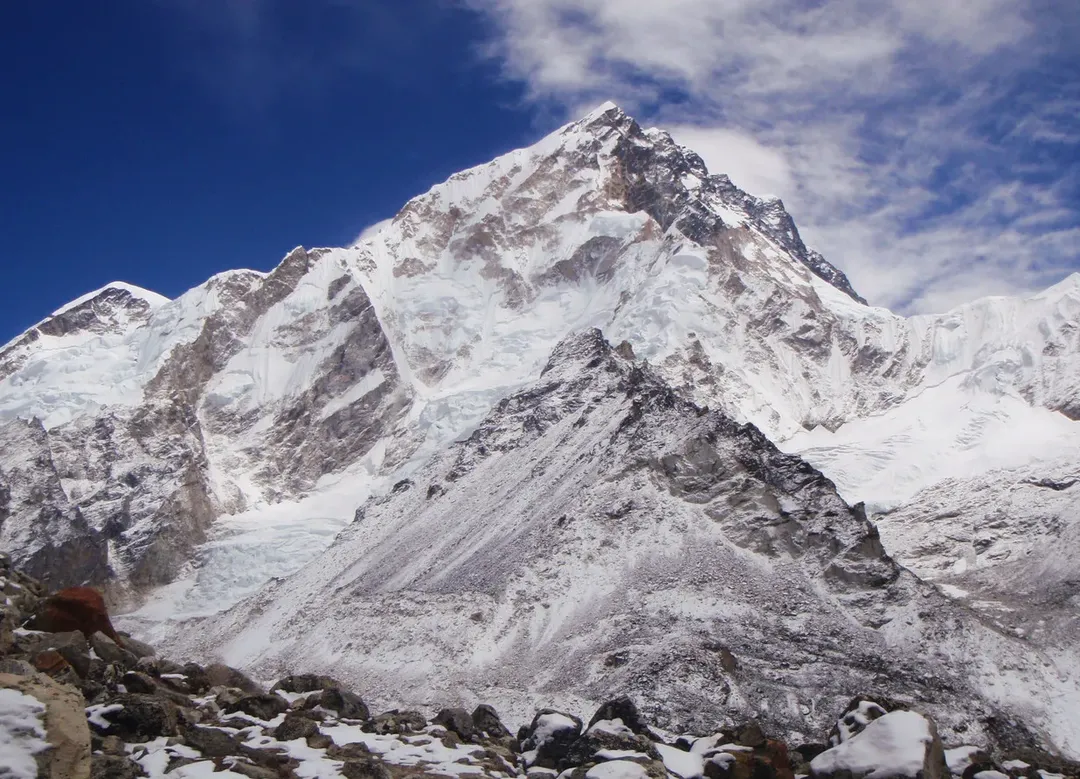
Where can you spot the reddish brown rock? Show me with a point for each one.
(75, 608)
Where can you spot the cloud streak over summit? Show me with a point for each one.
(928, 149)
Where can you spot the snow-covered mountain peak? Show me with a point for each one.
(152, 299)
(553, 383)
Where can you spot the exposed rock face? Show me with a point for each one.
(51, 537)
(129, 491)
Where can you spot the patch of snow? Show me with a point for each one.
(890, 746)
(959, 759)
(685, 764)
(22, 734)
(613, 726)
(1015, 765)
(616, 769)
(95, 714)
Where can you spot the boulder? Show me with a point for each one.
(136, 647)
(859, 713)
(607, 735)
(626, 710)
(295, 726)
(263, 706)
(345, 704)
(110, 652)
(356, 750)
(301, 683)
(457, 721)
(134, 681)
(751, 735)
(72, 646)
(66, 731)
(114, 767)
(253, 771)
(398, 722)
(139, 717)
(548, 738)
(221, 675)
(210, 741)
(365, 768)
(487, 722)
(897, 744)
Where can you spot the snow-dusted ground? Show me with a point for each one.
(22, 734)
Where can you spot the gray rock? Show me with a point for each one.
(301, 683)
(210, 741)
(142, 717)
(551, 734)
(909, 739)
(264, 706)
(487, 721)
(584, 749)
(254, 771)
(114, 767)
(138, 648)
(218, 674)
(108, 651)
(365, 768)
(623, 709)
(345, 704)
(295, 726)
(134, 681)
(348, 751)
(457, 721)
(398, 722)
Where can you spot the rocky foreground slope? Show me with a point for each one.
(77, 709)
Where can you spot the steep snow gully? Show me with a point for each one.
(583, 420)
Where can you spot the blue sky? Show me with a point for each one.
(930, 149)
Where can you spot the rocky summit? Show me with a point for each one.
(583, 423)
(72, 708)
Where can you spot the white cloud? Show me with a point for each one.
(750, 165)
(906, 136)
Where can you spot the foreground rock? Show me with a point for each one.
(69, 710)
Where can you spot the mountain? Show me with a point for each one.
(598, 532)
(187, 451)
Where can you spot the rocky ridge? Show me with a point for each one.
(106, 712)
(599, 533)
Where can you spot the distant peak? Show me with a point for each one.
(153, 299)
(606, 110)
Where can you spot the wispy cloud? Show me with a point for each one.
(930, 149)
(256, 54)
